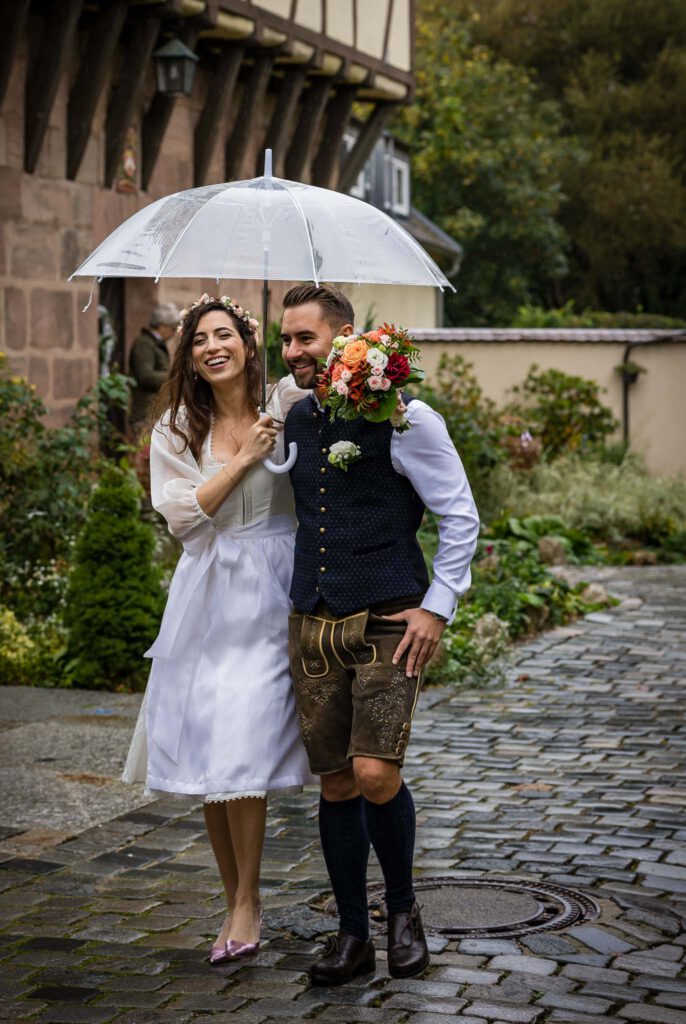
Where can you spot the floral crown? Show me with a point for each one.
(228, 303)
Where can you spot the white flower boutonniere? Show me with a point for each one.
(342, 453)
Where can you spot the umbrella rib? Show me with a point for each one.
(315, 276)
(173, 248)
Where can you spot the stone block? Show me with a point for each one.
(646, 1014)
(70, 255)
(52, 319)
(511, 1014)
(32, 253)
(15, 319)
(39, 374)
(523, 964)
(46, 201)
(10, 193)
(73, 377)
(86, 323)
(18, 365)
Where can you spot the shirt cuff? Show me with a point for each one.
(441, 600)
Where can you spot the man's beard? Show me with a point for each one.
(305, 376)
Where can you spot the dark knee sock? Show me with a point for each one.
(346, 851)
(391, 828)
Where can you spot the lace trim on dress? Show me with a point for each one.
(215, 798)
(219, 798)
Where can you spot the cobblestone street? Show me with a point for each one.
(571, 771)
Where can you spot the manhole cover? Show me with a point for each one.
(475, 907)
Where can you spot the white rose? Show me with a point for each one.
(374, 383)
(384, 339)
(375, 357)
(343, 448)
(340, 342)
(377, 371)
(341, 387)
(346, 376)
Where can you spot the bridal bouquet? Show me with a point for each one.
(364, 375)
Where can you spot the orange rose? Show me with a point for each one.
(373, 335)
(354, 353)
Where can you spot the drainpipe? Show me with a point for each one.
(626, 383)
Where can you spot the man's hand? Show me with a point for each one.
(422, 636)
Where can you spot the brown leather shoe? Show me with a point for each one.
(408, 953)
(344, 958)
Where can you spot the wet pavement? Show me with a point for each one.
(570, 773)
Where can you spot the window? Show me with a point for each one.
(359, 189)
(400, 186)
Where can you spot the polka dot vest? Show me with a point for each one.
(356, 543)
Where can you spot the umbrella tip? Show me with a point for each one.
(268, 163)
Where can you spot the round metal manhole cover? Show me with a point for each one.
(478, 907)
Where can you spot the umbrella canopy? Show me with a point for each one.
(264, 228)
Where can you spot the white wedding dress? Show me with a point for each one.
(218, 720)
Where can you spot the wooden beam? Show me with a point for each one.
(90, 79)
(311, 112)
(12, 21)
(290, 89)
(125, 92)
(43, 79)
(326, 163)
(220, 90)
(254, 92)
(361, 151)
(156, 117)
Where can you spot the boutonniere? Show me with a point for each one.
(342, 453)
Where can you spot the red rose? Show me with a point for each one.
(398, 368)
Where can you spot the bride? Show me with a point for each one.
(219, 719)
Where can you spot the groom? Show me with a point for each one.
(366, 623)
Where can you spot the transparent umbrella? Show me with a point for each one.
(264, 229)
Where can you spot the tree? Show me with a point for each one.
(486, 160)
(618, 70)
(114, 599)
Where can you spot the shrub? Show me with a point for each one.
(114, 600)
(564, 411)
(16, 650)
(610, 502)
(46, 476)
(513, 594)
(565, 316)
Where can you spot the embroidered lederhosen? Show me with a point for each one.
(352, 700)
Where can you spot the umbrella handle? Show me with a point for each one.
(273, 467)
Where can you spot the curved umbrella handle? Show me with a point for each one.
(288, 464)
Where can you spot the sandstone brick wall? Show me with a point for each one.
(48, 225)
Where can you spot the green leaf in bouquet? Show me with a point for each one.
(384, 410)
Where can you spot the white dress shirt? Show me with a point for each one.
(426, 455)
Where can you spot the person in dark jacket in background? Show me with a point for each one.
(149, 363)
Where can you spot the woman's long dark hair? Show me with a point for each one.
(184, 387)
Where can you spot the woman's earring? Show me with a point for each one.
(195, 375)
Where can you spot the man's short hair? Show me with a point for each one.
(167, 314)
(336, 307)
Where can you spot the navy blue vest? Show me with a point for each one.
(356, 543)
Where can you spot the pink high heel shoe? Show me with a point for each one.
(219, 951)
(239, 950)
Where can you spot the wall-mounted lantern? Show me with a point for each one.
(175, 68)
